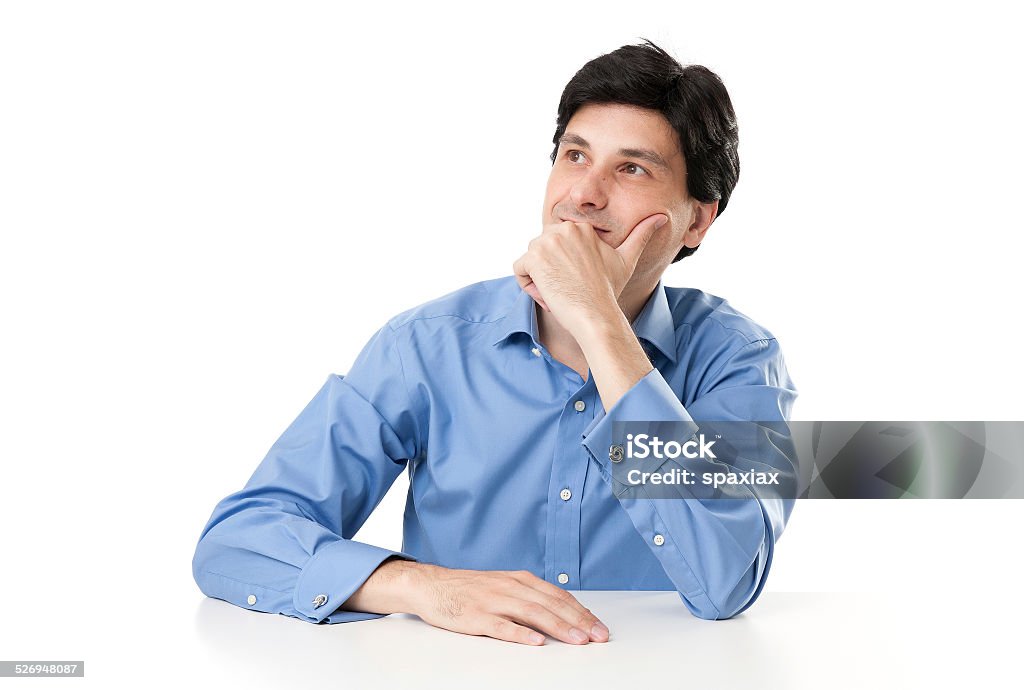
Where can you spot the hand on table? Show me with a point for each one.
(511, 605)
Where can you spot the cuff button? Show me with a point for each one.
(615, 453)
(319, 600)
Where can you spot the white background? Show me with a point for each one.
(207, 207)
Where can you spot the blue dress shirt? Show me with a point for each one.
(507, 451)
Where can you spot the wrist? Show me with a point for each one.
(608, 324)
(410, 581)
(386, 590)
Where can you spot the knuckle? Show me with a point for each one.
(563, 631)
(532, 609)
(568, 605)
(568, 609)
(506, 586)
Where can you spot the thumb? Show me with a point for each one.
(638, 238)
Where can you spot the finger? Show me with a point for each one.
(569, 608)
(523, 280)
(522, 274)
(638, 238)
(540, 618)
(521, 271)
(503, 629)
(533, 292)
(529, 579)
(548, 229)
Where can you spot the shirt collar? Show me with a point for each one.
(521, 318)
(654, 323)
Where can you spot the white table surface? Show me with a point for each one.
(786, 640)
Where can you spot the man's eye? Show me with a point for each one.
(574, 156)
(634, 169)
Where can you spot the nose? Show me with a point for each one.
(589, 190)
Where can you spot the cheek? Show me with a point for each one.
(555, 190)
(550, 196)
(664, 241)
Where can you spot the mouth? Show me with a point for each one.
(602, 231)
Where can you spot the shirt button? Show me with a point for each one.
(536, 351)
(319, 600)
(615, 453)
(658, 540)
(580, 405)
(563, 578)
(252, 599)
(565, 494)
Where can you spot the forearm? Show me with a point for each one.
(717, 551)
(614, 355)
(267, 555)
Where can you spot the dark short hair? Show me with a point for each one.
(693, 99)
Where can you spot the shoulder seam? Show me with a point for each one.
(718, 316)
(748, 336)
(395, 327)
(735, 352)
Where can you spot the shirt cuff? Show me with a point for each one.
(333, 574)
(650, 399)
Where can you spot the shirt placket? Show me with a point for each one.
(565, 489)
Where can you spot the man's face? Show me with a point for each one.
(616, 165)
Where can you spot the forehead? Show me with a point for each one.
(610, 127)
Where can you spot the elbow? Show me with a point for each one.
(724, 607)
(200, 565)
(703, 607)
(722, 603)
(215, 552)
(219, 544)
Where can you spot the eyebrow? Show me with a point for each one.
(652, 157)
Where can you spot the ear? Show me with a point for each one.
(703, 215)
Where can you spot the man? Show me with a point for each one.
(503, 411)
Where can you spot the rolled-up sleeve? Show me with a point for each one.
(283, 544)
(716, 552)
